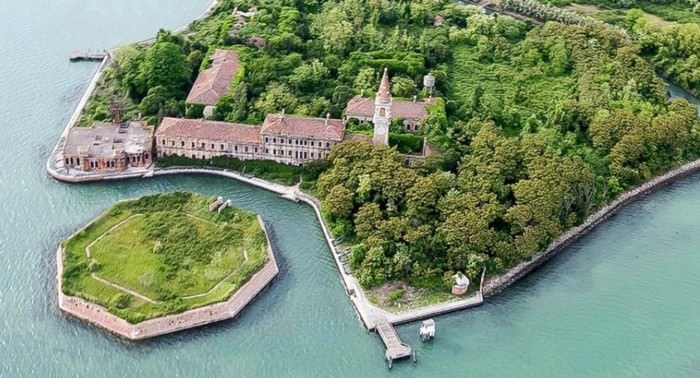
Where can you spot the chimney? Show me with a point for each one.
(415, 98)
(328, 117)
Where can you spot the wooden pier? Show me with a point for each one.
(395, 349)
(79, 56)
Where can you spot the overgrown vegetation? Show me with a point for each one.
(265, 169)
(540, 125)
(168, 248)
(549, 123)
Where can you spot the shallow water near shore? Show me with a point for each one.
(620, 302)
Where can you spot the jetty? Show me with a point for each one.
(80, 56)
(395, 348)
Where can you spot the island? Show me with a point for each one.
(164, 263)
(447, 149)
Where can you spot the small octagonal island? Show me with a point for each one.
(164, 263)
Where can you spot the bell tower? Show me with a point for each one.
(382, 112)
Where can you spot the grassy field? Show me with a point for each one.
(163, 254)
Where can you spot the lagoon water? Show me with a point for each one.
(620, 302)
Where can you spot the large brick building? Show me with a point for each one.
(282, 138)
(215, 81)
(202, 139)
(108, 147)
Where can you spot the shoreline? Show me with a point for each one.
(367, 312)
(99, 316)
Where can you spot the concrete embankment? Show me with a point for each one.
(101, 317)
(495, 284)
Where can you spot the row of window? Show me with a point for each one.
(297, 154)
(297, 142)
(93, 164)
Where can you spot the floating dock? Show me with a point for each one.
(395, 349)
(79, 56)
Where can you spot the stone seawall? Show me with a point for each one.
(498, 283)
(99, 316)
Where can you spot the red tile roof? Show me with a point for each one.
(359, 106)
(305, 127)
(364, 107)
(214, 82)
(210, 130)
(409, 109)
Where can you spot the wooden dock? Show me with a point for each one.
(395, 349)
(79, 56)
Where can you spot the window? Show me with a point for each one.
(212, 146)
(306, 142)
(274, 140)
(246, 148)
(274, 152)
(77, 161)
(163, 142)
(203, 144)
(192, 144)
(267, 150)
(312, 155)
(256, 150)
(267, 139)
(328, 145)
(67, 161)
(296, 154)
(290, 141)
(173, 143)
(382, 112)
(222, 146)
(305, 155)
(312, 143)
(290, 153)
(235, 148)
(182, 144)
(296, 141)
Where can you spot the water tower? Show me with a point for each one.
(429, 82)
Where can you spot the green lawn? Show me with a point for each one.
(167, 248)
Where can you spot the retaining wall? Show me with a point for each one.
(99, 316)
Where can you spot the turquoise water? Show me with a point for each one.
(621, 302)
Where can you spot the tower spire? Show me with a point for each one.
(384, 94)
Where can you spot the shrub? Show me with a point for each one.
(395, 295)
(406, 143)
(121, 300)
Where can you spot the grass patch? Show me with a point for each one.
(167, 248)
(399, 296)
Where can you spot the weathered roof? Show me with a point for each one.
(357, 138)
(214, 82)
(360, 106)
(209, 130)
(108, 139)
(306, 127)
(409, 109)
(364, 107)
